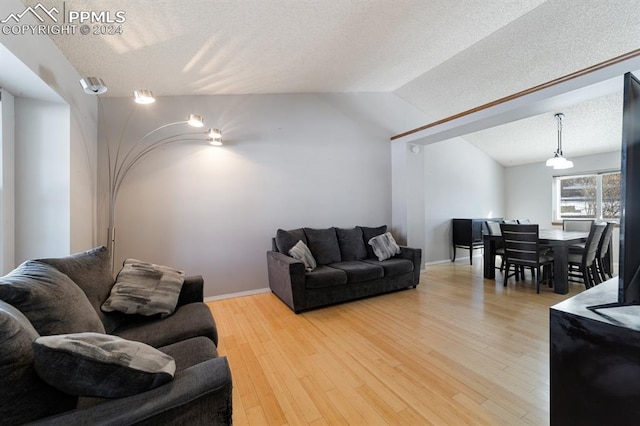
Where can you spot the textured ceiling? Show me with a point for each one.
(590, 127)
(442, 56)
(278, 46)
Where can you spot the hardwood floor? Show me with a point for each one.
(457, 350)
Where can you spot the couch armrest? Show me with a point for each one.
(198, 395)
(414, 255)
(192, 290)
(287, 279)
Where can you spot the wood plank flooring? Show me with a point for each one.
(457, 350)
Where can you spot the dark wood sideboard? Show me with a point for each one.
(467, 234)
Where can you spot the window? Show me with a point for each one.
(589, 196)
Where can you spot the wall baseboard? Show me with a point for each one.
(458, 260)
(239, 294)
(437, 262)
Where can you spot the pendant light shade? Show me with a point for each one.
(558, 161)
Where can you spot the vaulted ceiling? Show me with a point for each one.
(442, 56)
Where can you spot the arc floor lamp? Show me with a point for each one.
(127, 154)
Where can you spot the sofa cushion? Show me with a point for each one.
(187, 321)
(301, 252)
(25, 397)
(359, 271)
(325, 276)
(384, 246)
(91, 271)
(49, 299)
(190, 352)
(393, 266)
(323, 244)
(351, 243)
(368, 233)
(145, 289)
(100, 365)
(287, 239)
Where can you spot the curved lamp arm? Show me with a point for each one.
(125, 167)
(118, 168)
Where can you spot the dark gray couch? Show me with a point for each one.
(347, 267)
(200, 392)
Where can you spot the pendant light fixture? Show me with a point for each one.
(558, 161)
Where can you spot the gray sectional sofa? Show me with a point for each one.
(347, 267)
(63, 295)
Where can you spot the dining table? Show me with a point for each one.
(556, 239)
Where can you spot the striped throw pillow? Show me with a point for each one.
(100, 365)
(301, 252)
(384, 246)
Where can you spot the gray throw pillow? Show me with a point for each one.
(351, 243)
(49, 299)
(285, 240)
(91, 271)
(100, 365)
(368, 233)
(323, 244)
(145, 289)
(301, 252)
(384, 246)
(25, 397)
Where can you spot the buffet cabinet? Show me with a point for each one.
(467, 234)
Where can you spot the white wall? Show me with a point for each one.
(407, 180)
(460, 181)
(42, 179)
(288, 161)
(46, 64)
(7, 182)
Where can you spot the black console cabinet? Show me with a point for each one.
(467, 234)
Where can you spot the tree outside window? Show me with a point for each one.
(593, 196)
(611, 196)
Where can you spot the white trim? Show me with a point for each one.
(458, 260)
(437, 262)
(239, 294)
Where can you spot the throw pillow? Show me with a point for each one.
(323, 244)
(91, 271)
(301, 252)
(25, 397)
(100, 365)
(287, 239)
(351, 243)
(384, 246)
(368, 233)
(146, 289)
(49, 299)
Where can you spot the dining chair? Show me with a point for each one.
(526, 222)
(522, 249)
(582, 266)
(510, 221)
(493, 228)
(602, 265)
(583, 225)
